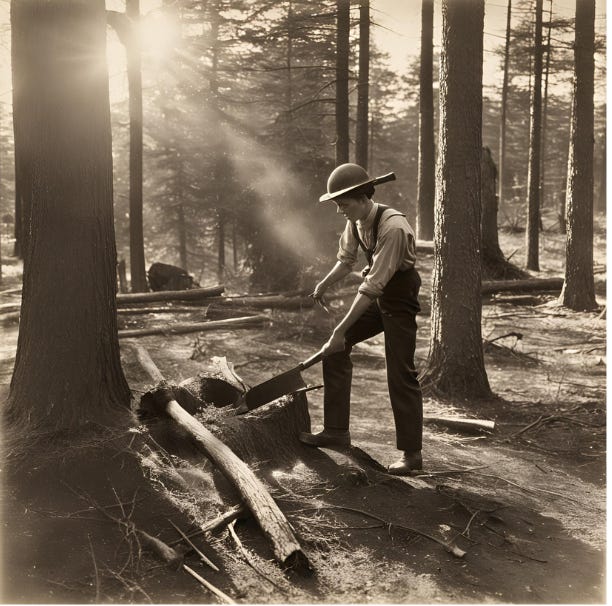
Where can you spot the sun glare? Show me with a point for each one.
(158, 34)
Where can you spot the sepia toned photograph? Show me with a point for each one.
(303, 301)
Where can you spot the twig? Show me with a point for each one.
(190, 543)
(95, 565)
(448, 472)
(217, 522)
(456, 551)
(225, 598)
(247, 557)
(563, 496)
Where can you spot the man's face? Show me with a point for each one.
(353, 208)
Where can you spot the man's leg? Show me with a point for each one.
(404, 389)
(337, 377)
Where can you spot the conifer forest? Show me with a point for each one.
(229, 373)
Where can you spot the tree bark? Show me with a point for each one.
(455, 364)
(67, 369)
(363, 86)
(426, 172)
(342, 81)
(532, 236)
(579, 290)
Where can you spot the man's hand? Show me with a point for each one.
(317, 295)
(335, 344)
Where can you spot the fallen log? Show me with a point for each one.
(425, 246)
(161, 310)
(264, 301)
(194, 294)
(531, 285)
(461, 424)
(9, 307)
(186, 327)
(256, 497)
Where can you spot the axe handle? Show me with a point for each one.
(311, 361)
(384, 179)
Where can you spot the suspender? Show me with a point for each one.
(369, 252)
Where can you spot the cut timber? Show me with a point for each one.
(186, 327)
(461, 424)
(531, 285)
(194, 294)
(256, 497)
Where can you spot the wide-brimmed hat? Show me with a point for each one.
(348, 178)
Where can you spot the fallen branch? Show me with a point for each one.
(208, 585)
(190, 543)
(194, 294)
(160, 310)
(453, 549)
(247, 557)
(225, 518)
(467, 425)
(273, 523)
(176, 329)
(531, 285)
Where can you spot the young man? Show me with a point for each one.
(386, 301)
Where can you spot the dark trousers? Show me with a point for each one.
(393, 313)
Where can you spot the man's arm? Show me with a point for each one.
(339, 271)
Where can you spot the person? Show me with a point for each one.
(386, 301)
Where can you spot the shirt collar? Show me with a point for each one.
(369, 220)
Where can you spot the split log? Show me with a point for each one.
(461, 424)
(271, 519)
(186, 327)
(265, 301)
(531, 285)
(194, 294)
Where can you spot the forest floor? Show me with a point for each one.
(527, 502)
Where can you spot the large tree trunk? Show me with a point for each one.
(578, 290)
(504, 105)
(455, 365)
(342, 81)
(363, 86)
(532, 235)
(67, 369)
(427, 170)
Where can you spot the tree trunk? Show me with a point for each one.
(67, 369)
(363, 87)
(426, 173)
(578, 290)
(455, 365)
(533, 177)
(490, 249)
(137, 259)
(342, 80)
(545, 118)
(182, 235)
(504, 106)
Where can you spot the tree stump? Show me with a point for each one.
(267, 433)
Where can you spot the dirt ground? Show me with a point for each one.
(526, 503)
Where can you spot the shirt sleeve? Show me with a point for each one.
(348, 246)
(388, 255)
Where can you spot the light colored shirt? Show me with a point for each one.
(395, 248)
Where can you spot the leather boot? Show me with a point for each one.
(411, 461)
(327, 437)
